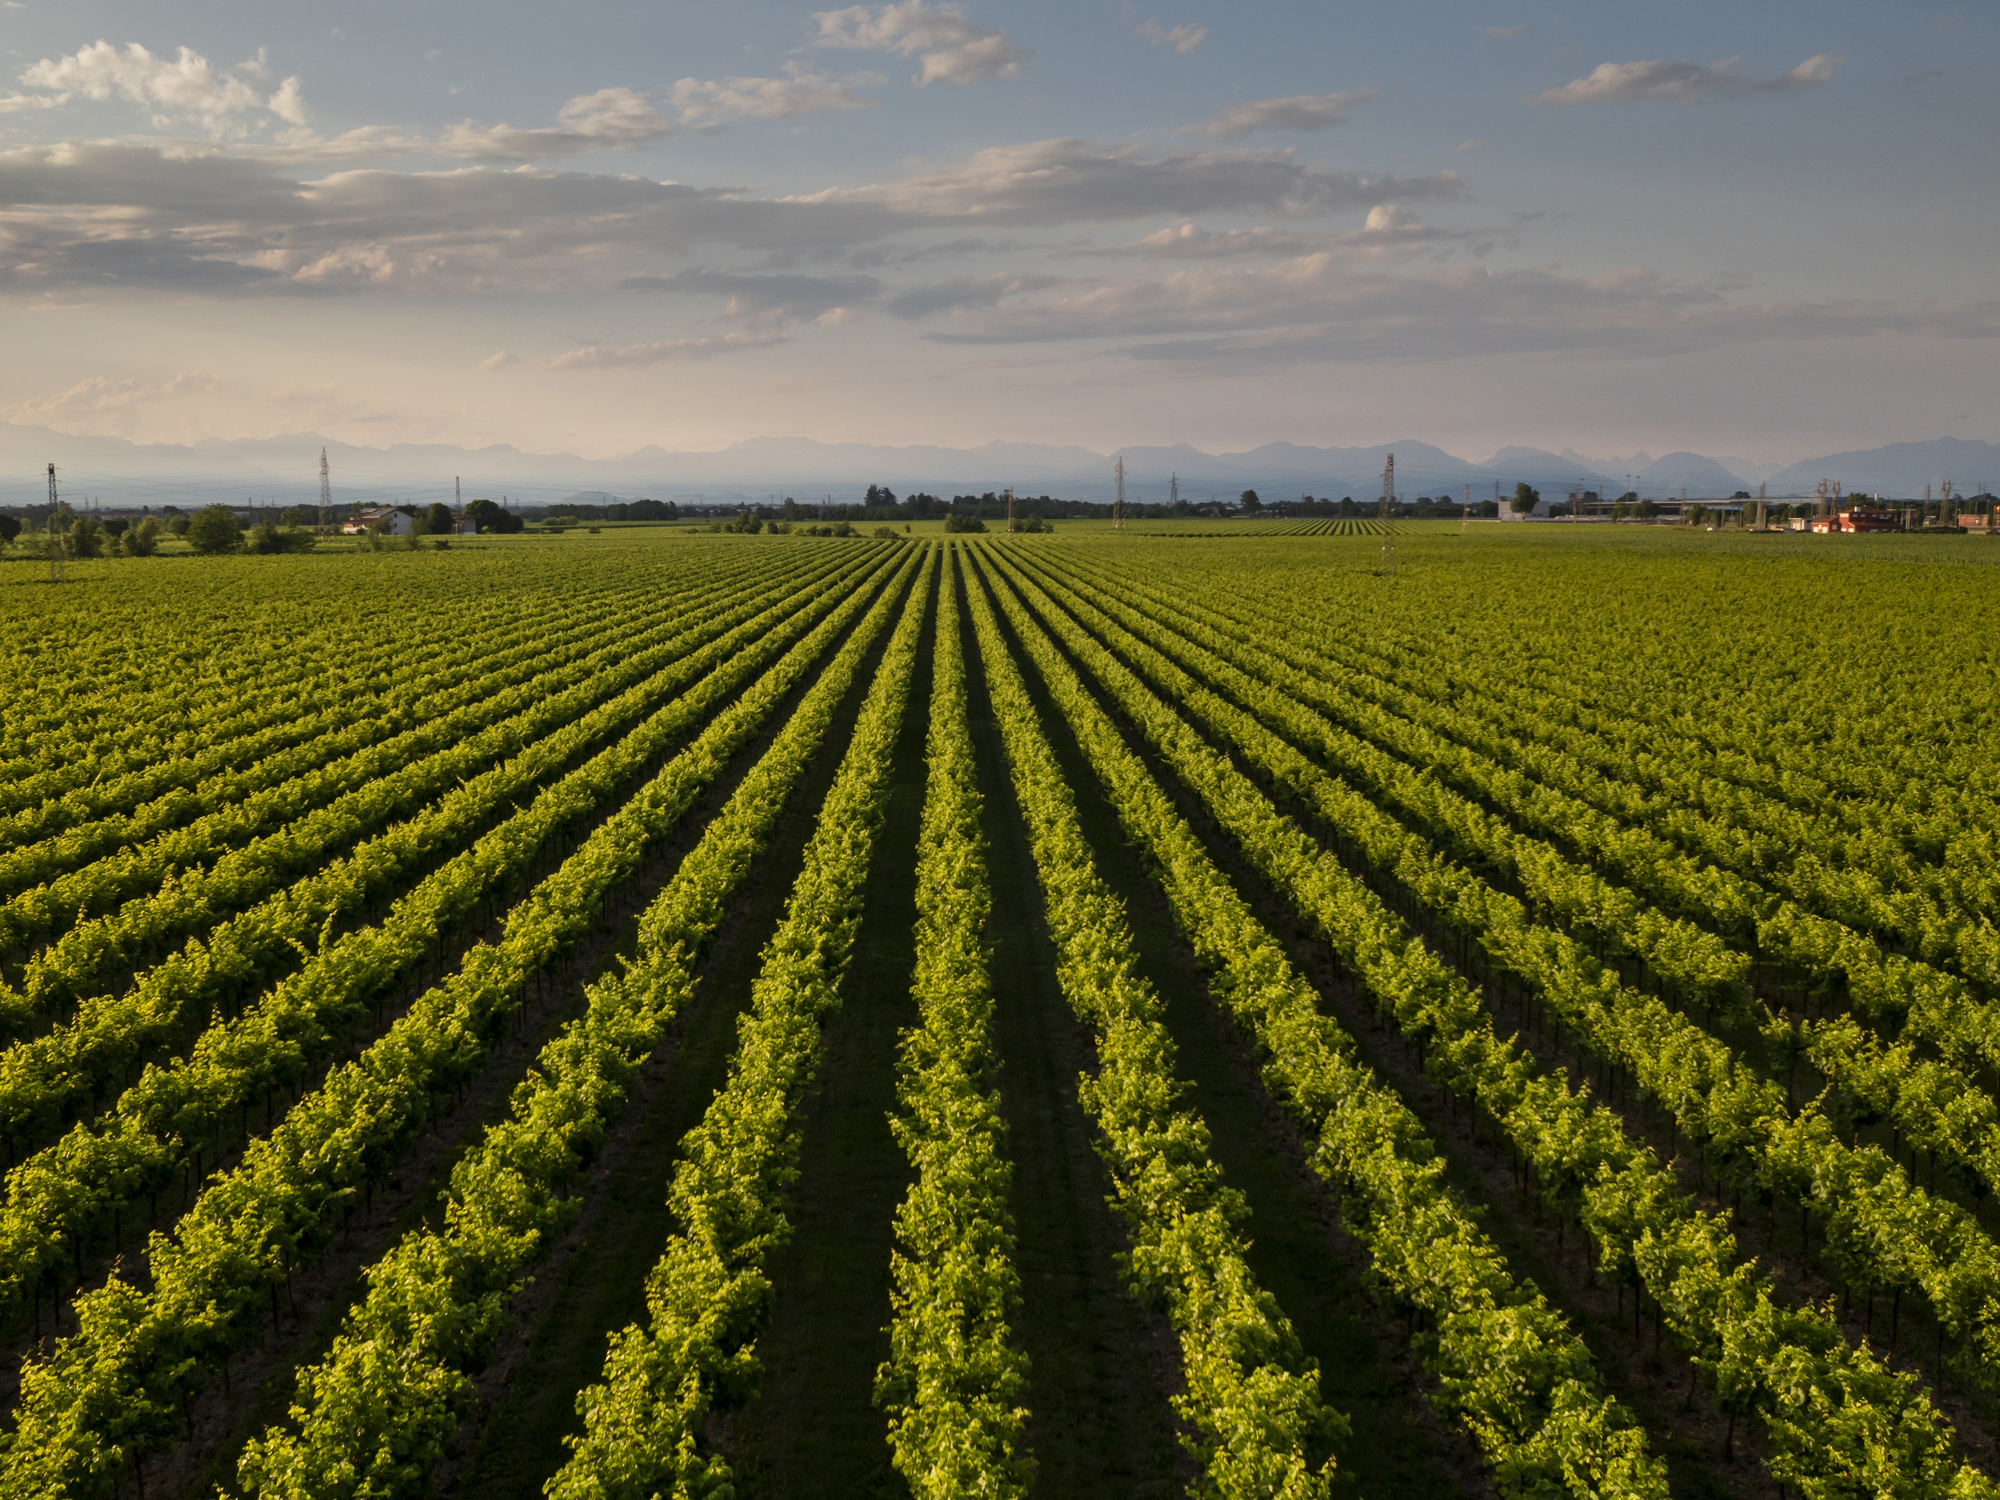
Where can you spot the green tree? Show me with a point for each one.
(86, 537)
(10, 527)
(437, 520)
(963, 523)
(141, 540)
(214, 529)
(1250, 502)
(1525, 496)
(490, 517)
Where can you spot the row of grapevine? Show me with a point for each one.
(1518, 1376)
(1886, 1232)
(193, 820)
(117, 1387)
(375, 1412)
(1854, 875)
(1936, 1106)
(196, 710)
(1829, 1412)
(297, 826)
(707, 1297)
(955, 1380)
(107, 1035)
(162, 1123)
(1251, 1408)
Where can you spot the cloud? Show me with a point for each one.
(883, 257)
(105, 219)
(1393, 229)
(710, 105)
(1300, 112)
(113, 406)
(1510, 31)
(763, 300)
(184, 87)
(971, 293)
(499, 361)
(1183, 39)
(98, 220)
(1323, 308)
(15, 103)
(638, 356)
(1474, 145)
(612, 119)
(950, 48)
(1683, 83)
(1187, 242)
(1077, 182)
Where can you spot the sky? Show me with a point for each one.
(1765, 231)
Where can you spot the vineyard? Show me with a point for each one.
(1094, 1014)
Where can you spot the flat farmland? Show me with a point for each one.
(1229, 1009)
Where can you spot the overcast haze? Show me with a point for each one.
(1757, 231)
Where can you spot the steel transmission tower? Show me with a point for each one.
(1118, 503)
(1010, 507)
(1388, 499)
(55, 533)
(325, 492)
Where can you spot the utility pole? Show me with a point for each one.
(1760, 507)
(325, 492)
(1388, 499)
(1010, 508)
(1118, 502)
(55, 533)
(1465, 516)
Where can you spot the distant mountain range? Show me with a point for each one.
(285, 470)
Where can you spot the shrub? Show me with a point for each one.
(888, 532)
(964, 523)
(268, 539)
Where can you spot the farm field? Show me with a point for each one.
(1172, 1011)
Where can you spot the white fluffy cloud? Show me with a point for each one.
(708, 105)
(1183, 39)
(1299, 112)
(948, 46)
(613, 119)
(180, 88)
(1190, 242)
(102, 405)
(1660, 82)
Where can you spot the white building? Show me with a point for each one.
(382, 518)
